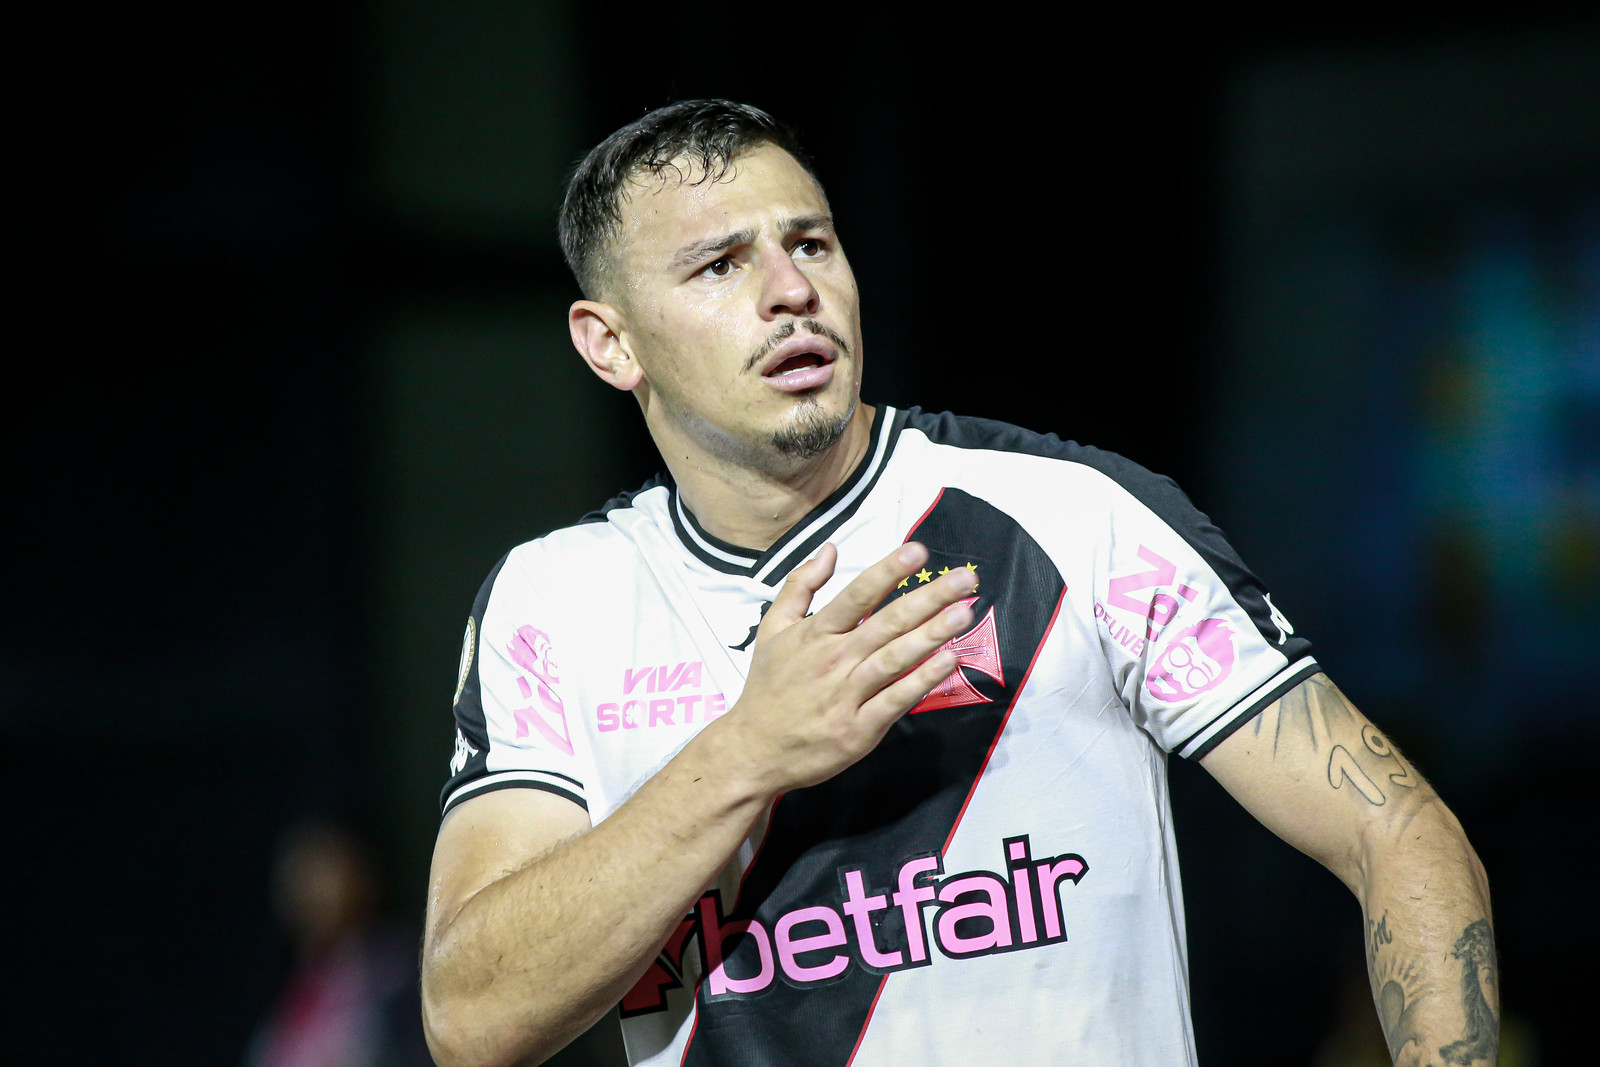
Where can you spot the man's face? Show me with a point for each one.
(741, 309)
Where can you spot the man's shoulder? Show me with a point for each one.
(622, 501)
(973, 433)
(598, 530)
(576, 553)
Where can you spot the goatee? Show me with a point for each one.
(813, 432)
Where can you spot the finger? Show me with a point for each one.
(794, 599)
(845, 612)
(902, 655)
(906, 613)
(901, 696)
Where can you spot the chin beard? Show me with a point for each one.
(813, 432)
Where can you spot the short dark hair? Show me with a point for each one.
(710, 132)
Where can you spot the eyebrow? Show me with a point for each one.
(817, 221)
(693, 253)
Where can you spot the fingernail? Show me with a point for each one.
(907, 554)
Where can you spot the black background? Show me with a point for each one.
(190, 623)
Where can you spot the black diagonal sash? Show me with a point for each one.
(901, 802)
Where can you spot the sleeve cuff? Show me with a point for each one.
(1223, 726)
(549, 781)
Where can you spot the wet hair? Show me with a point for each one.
(710, 133)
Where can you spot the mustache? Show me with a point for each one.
(788, 330)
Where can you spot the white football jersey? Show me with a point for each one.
(998, 879)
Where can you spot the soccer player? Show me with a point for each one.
(845, 740)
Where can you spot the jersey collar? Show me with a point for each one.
(805, 536)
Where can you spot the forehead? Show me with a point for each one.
(663, 212)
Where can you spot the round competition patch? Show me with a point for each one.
(469, 644)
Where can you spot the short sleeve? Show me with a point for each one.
(511, 728)
(1195, 641)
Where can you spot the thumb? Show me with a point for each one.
(794, 599)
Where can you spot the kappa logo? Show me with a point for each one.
(978, 649)
(749, 638)
(1279, 619)
(464, 751)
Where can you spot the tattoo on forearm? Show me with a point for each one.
(1479, 967)
(1399, 986)
(1378, 935)
(1318, 714)
(1397, 995)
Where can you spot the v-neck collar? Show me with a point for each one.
(805, 536)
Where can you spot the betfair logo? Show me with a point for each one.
(879, 928)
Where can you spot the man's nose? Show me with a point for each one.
(788, 291)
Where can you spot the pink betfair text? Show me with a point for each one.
(972, 913)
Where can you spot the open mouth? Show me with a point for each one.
(796, 363)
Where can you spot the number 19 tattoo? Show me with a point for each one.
(1342, 767)
(1317, 714)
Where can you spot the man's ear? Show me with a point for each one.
(601, 338)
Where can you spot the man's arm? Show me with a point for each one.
(538, 924)
(1313, 770)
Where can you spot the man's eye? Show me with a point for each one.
(809, 247)
(720, 267)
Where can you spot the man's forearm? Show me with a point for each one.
(1430, 944)
(535, 957)
(521, 956)
(1317, 773)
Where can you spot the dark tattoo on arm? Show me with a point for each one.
(1398, 987)
(1479, 966)
(1317, 713)
(1316, 735)
(1378, 935)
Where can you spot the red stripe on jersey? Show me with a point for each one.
(694, 1021)
(868, 1021)
(924, 517)
(762, 844)
(1023, 685)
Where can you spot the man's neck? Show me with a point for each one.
(751, 506)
